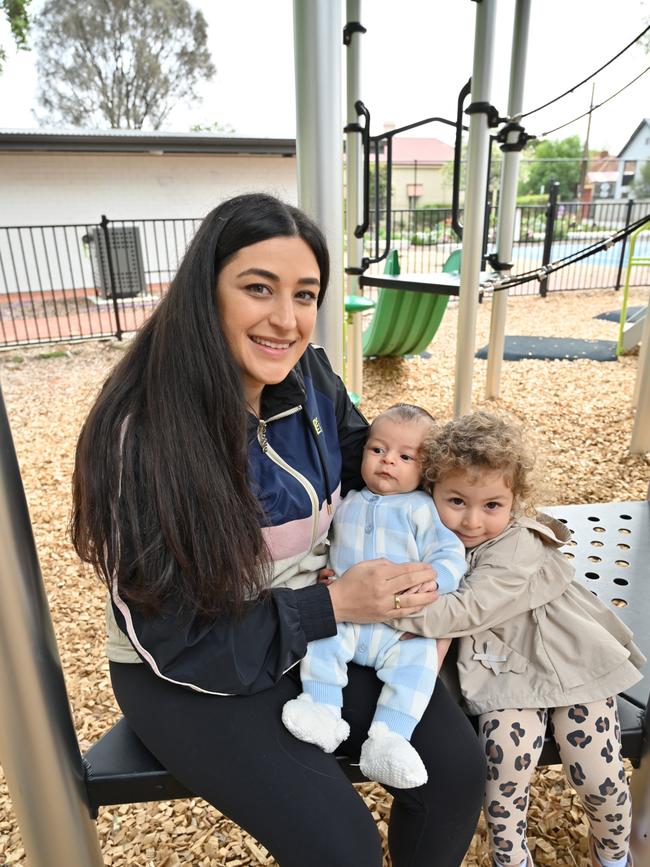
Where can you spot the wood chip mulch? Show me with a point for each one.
(581, 418)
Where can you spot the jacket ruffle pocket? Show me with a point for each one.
(496, 655)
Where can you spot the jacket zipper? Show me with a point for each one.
(275, 457)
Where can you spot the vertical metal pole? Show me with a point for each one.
(640, 442)
(508, 197)
(477, 159)
(551, 214)
(628, 220)
(111, 275)
(354, 187)
(38, 746)
(319, 147)
(640, 792)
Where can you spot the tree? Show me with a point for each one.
(641, 185)
(553, 161)
(16, 14)
(121, 63)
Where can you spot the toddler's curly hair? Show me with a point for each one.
(481, 442)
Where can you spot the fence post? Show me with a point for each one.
(628, 220)
(551, 213)
(111, 275)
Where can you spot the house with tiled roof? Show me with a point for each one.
(632, 158)
(418, 176)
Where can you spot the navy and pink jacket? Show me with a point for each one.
(304, 454)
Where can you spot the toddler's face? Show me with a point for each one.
(391, 458)
(474, 507)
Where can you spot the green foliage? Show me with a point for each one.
(533, 199)
(222, 128)
(641, 185)
(119, 63)
(553, 161)
(383, 185)
(15, 12)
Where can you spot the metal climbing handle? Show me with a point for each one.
(456, 225)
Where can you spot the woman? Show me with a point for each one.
(205, 480)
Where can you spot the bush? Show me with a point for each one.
(533, 199)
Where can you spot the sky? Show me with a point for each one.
(416, 56)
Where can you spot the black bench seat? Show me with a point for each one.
(610, 550)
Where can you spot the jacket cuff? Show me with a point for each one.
(316, 612)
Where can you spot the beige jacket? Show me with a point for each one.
(530, 635)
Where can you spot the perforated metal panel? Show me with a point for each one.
(126, 261)
(610, 550)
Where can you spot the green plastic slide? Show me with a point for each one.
(405, 323)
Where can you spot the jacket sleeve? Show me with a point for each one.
(230, 656)
(439, 547)
(495, 591)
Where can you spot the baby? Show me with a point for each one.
(391, 518)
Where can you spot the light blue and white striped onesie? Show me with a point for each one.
(404, 528)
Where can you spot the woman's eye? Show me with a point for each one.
(307, 295)
(258, 289)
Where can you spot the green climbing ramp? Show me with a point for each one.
(405, 323)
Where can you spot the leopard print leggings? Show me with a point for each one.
(588, 738)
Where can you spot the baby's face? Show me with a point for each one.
(476, 508)
(391, 458)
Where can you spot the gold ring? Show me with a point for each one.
(398, 604)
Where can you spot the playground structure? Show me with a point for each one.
(54, 790)
(631, 329)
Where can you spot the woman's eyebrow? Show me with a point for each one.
(269, 275)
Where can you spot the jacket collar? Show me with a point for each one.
(286, 395)
(551, 530)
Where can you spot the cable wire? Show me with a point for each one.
(585, 80)
(502, 284)
(593, 108)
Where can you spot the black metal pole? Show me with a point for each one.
(111, 275)
(628, 220)
(551, 213)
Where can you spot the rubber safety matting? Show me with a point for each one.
(615, 315)
(519, 348)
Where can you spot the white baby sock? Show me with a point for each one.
(390, 759)
(319, 724)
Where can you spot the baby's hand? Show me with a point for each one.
(325, 576)
(426, 587)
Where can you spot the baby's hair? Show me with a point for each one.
(478, 442)
(405, 412)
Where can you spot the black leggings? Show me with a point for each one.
(235, 753)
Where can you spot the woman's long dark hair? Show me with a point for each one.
(161, 498)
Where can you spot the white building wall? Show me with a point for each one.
(59, 188)
(73, 190)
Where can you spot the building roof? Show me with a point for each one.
(602, 177)
(646, 120)
(424, 150)
(140, 141)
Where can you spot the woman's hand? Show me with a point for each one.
(367, 592)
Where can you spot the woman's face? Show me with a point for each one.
(266, 297)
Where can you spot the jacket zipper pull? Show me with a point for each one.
(261, 435)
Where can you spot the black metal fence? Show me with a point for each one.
(75, 282)
(424, 239)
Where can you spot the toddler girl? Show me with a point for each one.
(535, 645)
